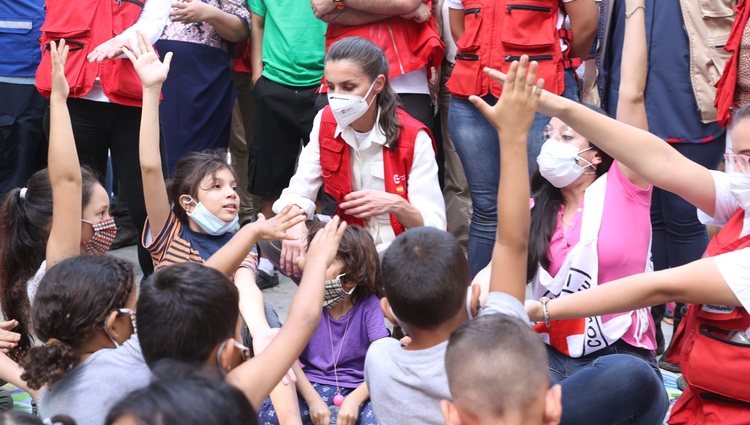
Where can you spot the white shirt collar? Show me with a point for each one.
(376, 135)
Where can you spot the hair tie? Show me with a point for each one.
(22, 193)
(52, 341)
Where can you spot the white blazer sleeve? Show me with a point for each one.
(424, 189)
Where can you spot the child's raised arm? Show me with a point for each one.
(152, 73)
(512, 116)
(257, 377)
(63, 166)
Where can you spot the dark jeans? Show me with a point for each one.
(478, 147)
(617, 385)
(23, 146)
(99, 127)
(678, 236)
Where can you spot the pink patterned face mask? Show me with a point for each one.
(104, 234)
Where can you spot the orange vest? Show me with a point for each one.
(407, 45)
(497, 32)
(84, 24)
(397, 162)
(714, 367)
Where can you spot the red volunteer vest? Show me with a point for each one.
(497, 32)
(715, 368)
(84, 24)
(397, 162)
(407, 45)
(724, 100)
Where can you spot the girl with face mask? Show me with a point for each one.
(62, 211)
(331, 384)
(368, 154)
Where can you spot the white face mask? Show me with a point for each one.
(558, 163)
(348, 108)
(739, 185)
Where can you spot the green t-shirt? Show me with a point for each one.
(293, 42)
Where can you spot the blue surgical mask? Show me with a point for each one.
(211, 224)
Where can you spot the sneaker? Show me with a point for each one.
(265, 280)
(681, 383)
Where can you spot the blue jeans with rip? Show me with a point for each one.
(478, 148)
(614, 386)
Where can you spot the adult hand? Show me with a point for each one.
(319, 413)
(261, 340)
(292, 249)
(421, 14)
(549, 104)
(191, 11)
(275, 228)
(149, 68)
(8, 339)
(107, 50)
(534, 310)
(59, 54)
(369, 203)
(517, 104)
(348, 412)
(322, 7)
(325, 244)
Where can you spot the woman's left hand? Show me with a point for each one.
(348, 412)
(191, 11)
(369, 203)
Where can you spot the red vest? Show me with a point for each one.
(724, 100)
(397, 162)
(715, 368)
(407, 45)
(84, 24)
(243, 63)
(497, 32)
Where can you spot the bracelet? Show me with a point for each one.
(545, 311)
(632, 12)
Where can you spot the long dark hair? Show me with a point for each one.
(73, 301)
(547, 202)
(24, 229)
(372, 60)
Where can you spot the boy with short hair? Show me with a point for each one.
(426, 275)
(495, 374)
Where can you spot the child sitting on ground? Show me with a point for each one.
(332, 384)
(426, 275)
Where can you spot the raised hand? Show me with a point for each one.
(325, 244)
(275, 228)
(150, 69)
(59, 54)
(518, 100)
(549, 104)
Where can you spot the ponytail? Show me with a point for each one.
(48, 363)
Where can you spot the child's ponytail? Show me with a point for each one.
(48, 363)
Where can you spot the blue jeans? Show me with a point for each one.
(617, 385)
(478, 148)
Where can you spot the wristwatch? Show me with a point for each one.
(339, 4)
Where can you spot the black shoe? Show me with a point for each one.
(681, 383)
(126, 236)
(265, 280)
(659, 340)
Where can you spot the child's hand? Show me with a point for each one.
(59, 54)
(519, 99)
(275, 228)
(348, 412)
(421, 14)
(150, 69)
(319, 413)
(325, 244)
(191, 11)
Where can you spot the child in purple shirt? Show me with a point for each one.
(330, 385)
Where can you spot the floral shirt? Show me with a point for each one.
(203, 32)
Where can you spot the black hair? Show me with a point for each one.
(73, 301)
(14, 417)
(184, 312)
(373, 62)
(359, 256)
(24, 230)
(178, 395)
(190, 170)
(425, 275)
(547, 203)
(518, 374)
